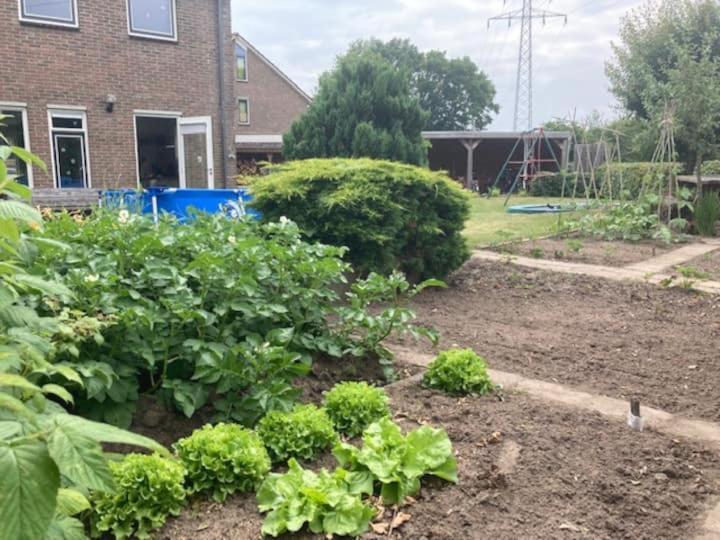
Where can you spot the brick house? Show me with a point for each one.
(120, 93)
(268, 102)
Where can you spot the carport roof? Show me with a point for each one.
(486, 135)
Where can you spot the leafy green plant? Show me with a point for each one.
(48, 458)
(149, 488)
(223, 459)
(360, 331)
(690, 272)
(324, 502)
(300, 433)
(459, 372)
(398, 462)
(353, 406)
(537, 253)
(707, 214)
(390, 216)
(575, 245)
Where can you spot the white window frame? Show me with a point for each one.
(247, 64)
(247, 100)
(152, 35)
(155, 114)
(52, 21)
(14, 106)
(69, 111)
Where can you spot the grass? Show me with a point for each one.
(491, 224)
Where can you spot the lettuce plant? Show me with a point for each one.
(148, 490)
(223, 459)
(458, 372)
(398, 462)
(324, 502)
(353, 406)
(300, 433)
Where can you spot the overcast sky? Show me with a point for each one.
(303, 37)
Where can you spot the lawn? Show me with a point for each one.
(490, 223)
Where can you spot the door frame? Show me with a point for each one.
(69, 135)
(195, 120)
(70, 111)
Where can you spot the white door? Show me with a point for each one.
(195, 152)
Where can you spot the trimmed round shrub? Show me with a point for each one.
(353, 406)
(458, 372)
(389, 215)
(148, 489)
(223, 459)
(301, 433)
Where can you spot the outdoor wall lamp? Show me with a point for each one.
(110, 101)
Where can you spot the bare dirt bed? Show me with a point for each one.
(615, 338)
(586, 251)
(708, 264)
(527, 470)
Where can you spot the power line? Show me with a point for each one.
(524, 85)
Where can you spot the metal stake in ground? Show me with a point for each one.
(635, 419)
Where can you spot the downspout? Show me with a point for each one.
(221, 87)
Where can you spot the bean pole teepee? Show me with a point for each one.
(665, 156)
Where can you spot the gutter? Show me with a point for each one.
(221, 88)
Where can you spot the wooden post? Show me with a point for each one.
(470, 146)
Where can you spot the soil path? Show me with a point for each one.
(649, 271)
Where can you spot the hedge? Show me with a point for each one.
(389, 215)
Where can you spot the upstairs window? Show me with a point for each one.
(56, 12)
(244, 111)
(241, 63)
(152, 19)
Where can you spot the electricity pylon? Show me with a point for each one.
(524, 88)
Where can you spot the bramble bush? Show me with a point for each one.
(223, 459)
(353, 406)
(389, 215)
(458, 372)
(301, 433)
(148, 489)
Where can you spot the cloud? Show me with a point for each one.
(304, 37)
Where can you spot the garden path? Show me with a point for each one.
(651, 271)
(656, 419)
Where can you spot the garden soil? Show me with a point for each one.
(587, 251)
(527, 469)
(708, 264)
(620, 339)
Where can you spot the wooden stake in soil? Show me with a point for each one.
(635, 420)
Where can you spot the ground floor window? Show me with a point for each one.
(14, 127)
(68, 140)
(157, 151)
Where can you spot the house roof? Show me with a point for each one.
(245, 43)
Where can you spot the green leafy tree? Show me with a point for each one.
(454, 91)
(364, 108)
(669, 53)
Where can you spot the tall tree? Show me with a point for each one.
(363, 108)
(669, 52)
(454, 91)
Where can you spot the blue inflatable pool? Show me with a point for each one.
(542, 208)
(181, 202)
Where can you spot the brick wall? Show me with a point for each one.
(274, 103)
(51, 65)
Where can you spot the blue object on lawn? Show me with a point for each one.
(130, 199)
(542, 208)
